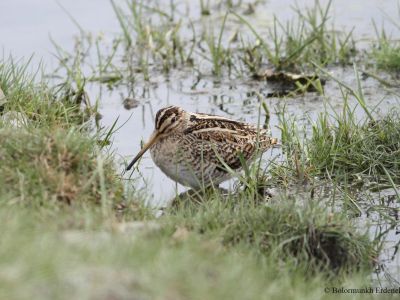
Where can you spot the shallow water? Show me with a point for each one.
(25, 27)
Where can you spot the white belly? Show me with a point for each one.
(177, 165)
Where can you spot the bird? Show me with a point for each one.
(201, 150)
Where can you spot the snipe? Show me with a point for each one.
(197, 150)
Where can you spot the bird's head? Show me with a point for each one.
(168, 120)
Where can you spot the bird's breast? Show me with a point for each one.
(170, 155)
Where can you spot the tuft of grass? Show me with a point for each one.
(219, 55)
(387, 56)
(150, 41)
(340, 146)
(97, 260)
(298, 233)
(50, 158)
(313, 38)
(46, 167)
(387, 53)
(153, 41)
(31, 96)
(309, 37)
(307, 236)
(70, 230)
(367, 149)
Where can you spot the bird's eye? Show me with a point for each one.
(173, 119)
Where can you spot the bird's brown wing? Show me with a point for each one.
(226, 141)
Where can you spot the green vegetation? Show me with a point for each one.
(158, 39)
(342, 146)
(36, 102)
(370, 148)
(73, 229)
(154, 40)
(309, 37)
(299, 232)
(68, 220)
(219, 56)
(47, 151)
(102, 261)
(386, 53)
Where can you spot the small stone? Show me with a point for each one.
(130, 103)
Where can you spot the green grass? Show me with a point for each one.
(52, 156)
(41, 105)
(309, 36)
(345, 145)
(156, 39)
(159, 39)
(365, 149)
(387, 54)
(99, 261)
(41, 168)
(219, 55)
(70, 229)
(386, 51)
(297, 232)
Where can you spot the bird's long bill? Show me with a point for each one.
(154, 137)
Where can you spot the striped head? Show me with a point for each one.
(170, 119)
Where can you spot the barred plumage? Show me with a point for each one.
(196, 149)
